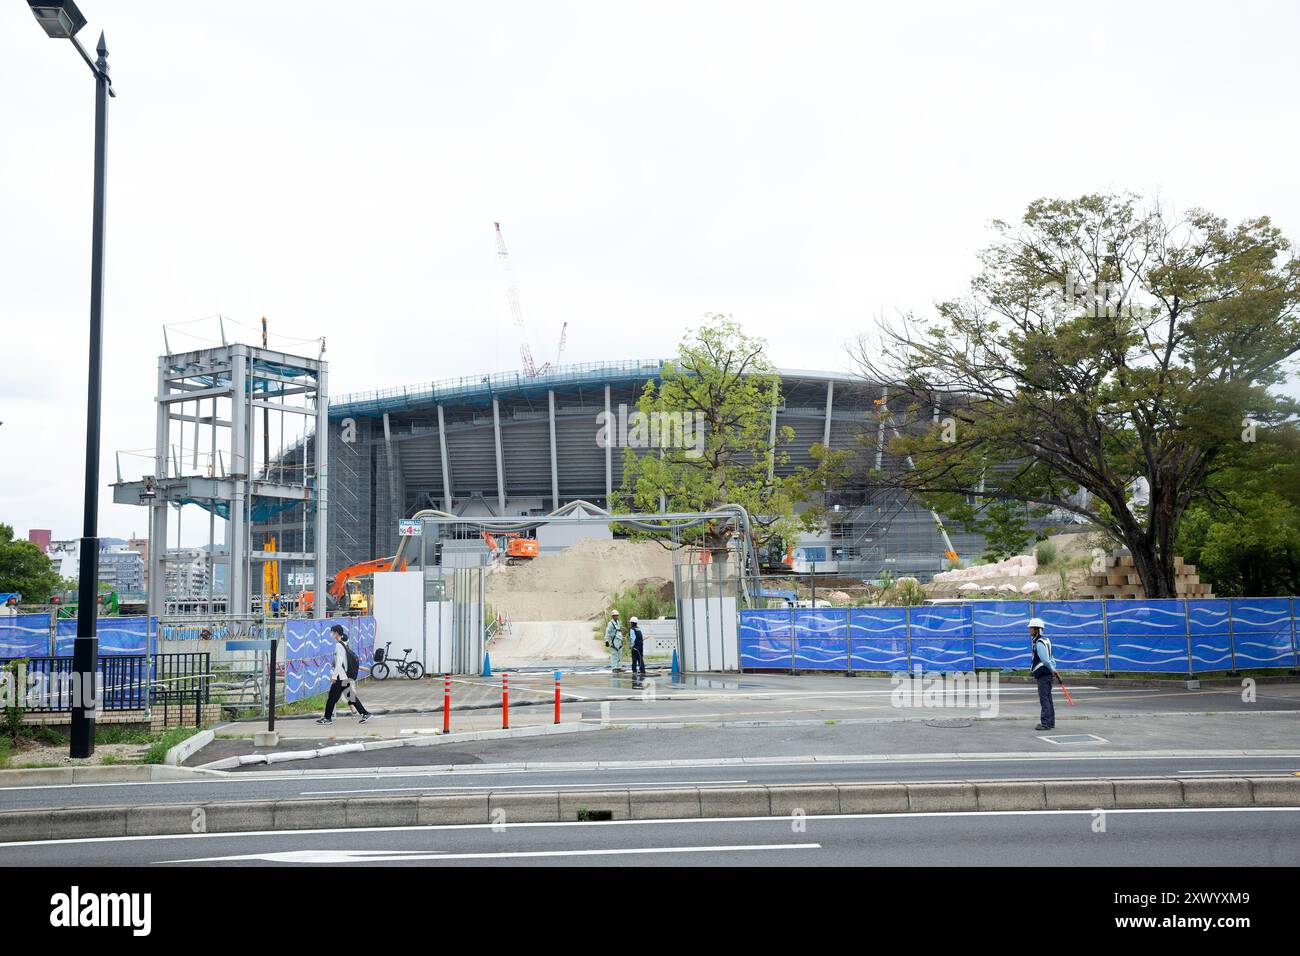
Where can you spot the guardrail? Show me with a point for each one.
(1165, 636)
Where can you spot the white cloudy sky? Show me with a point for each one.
(805, 166)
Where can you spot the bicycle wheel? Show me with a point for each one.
(379, 671)
(415, 670)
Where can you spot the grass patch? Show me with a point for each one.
(122, 733)
(308, 705)
(166, 741)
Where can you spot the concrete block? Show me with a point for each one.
(38, 777)
(109, 774)
(1080, 794)
(240, 816)
(1148, 794)
(523, 807)
(153, 820)
(88, 822)
(1217, 792)
(383, 811)
(873, 798)
(677, 804)
(1275, 791)
(940, 797)
(614, 801)
(188, 748)
(310, 814)
(1010, 795)
(811, 800)
(449, 810)
(266, 738)
(734, 802)
(18, 825)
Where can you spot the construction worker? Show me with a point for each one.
(614, 641)
(638, 645)
(1042, 667)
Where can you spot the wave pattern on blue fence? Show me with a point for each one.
(24, 635)
(309, 653)
(1166, 636)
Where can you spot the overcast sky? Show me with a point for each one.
(804, 166)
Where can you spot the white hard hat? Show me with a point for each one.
(614, 612)
(1037, 622)
(632, 619)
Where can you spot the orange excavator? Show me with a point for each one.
(345, 591)
(518, 548)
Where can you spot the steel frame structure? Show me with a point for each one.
(220, 389)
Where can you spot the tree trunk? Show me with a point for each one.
(1154, 565)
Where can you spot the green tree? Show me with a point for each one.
(1103, 348)
(24, 569)
(719, 393)
(1245, 540)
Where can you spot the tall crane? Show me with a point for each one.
(531, 369)
(564, 335)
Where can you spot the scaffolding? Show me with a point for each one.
(215, 411)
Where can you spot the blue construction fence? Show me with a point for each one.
(43, 635)
(1166, 636)
(309, 653)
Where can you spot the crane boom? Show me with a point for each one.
(531, 369)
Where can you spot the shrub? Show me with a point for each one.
(643, 602)
(1046, 554)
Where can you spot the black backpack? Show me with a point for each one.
(354, 664)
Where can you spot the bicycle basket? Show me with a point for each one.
(379, 655)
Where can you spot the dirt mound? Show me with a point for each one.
(576, 583)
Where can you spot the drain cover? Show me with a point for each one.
(955, 722)
(1074, 739)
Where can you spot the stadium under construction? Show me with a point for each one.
(513, 445)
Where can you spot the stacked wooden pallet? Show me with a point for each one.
(1120, 580)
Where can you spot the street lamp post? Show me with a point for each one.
(61, 20)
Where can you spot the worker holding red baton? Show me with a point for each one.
(1042, 668)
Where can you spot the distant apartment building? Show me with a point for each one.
(40, 537)
(120, 567)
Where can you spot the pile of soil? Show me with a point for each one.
(577, 583)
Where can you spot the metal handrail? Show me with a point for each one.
(470, 384)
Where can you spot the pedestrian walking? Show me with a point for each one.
(1042, 667)
(637, 640)
(343, 677)
(614, 641)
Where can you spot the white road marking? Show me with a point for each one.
(532, 786)
(363, 856)
(920, 815)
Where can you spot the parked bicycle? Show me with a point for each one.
(404, 664)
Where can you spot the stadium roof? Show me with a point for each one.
(481, 388)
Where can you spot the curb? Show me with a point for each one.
(188, 747)
(505, 807)
(67, 776)
(422, 740)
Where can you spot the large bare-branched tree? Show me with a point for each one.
(1105, 346)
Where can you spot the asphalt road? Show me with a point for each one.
(716, 773)
(1255, 837)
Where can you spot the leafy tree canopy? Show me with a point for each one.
(1105, 347)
